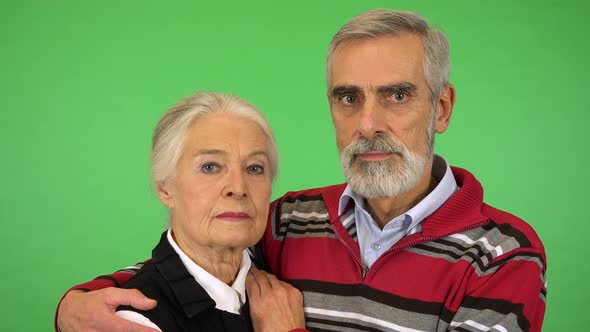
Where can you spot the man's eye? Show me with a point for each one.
(256, 169)
(210, 168)
(399, 96)
(348, 99)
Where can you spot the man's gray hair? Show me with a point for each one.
(382, 22)
(170, 132)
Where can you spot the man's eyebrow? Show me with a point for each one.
(345, 89)
(407, 87)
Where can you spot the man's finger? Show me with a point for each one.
(141, 301)
(130, 297)
(262, 280)
(273, 281)
(252, 287)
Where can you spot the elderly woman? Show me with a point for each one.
(213, 161)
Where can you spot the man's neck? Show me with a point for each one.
(384, 209)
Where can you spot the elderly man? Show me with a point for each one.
(407, 244)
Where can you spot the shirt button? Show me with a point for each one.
(376, 246)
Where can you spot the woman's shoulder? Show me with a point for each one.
(138, 318)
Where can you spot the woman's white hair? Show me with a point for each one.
(170, 132)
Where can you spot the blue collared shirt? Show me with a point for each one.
(374, 241)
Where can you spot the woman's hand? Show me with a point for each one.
(274, 305)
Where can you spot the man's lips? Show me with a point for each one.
(375, 155)
(233, 216)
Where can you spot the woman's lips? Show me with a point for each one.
(233, 216)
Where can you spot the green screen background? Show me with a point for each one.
(82, 85)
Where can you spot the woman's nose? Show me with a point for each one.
(236, 185)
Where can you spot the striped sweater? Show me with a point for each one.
(470, 268)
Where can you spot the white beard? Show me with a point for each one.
(387, 178)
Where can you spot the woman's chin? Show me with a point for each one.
(236, 241)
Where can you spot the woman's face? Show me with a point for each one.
(220, 193)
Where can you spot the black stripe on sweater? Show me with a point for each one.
(356, 327)
(302, 198)
(508, 230)
(328, 230)
(305, 223)
(498, 305)
(107, 277)
(276, 221)
(460, 329)
(480, 248)
(476, 259)
(519, 254)
(284, 227)
(388, 299)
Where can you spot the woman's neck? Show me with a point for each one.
(222, 263)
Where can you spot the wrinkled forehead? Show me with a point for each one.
(225, 132)
(378, 61)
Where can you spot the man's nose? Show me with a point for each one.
(372, 120)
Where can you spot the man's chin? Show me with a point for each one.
(375, 167)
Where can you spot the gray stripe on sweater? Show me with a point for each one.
(485, 320)
(424, 250)
(363, 312)
(295, 220)
(317, 206)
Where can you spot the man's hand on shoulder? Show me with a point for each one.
(274, 305)
(95, 311)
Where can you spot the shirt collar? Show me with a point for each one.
(226, 298)
(446, 187)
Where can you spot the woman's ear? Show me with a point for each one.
(164, 194)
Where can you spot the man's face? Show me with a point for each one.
(382, 112)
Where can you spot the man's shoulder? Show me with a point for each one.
(498, 238)
(313, 193)
(501, 225)
(307, 210)
(511, 225)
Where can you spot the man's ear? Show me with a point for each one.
(164, 194)
(444, 108)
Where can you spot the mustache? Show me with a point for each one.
(379, 143)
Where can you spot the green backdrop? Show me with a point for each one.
(82, 84)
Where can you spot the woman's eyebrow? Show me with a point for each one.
(221, 153)
(258, 153)
(209, 152)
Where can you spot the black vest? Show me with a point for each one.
(183, 305)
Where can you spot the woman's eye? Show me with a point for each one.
(209, 168)
(256, 169)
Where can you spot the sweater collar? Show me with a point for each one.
(462, 210)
